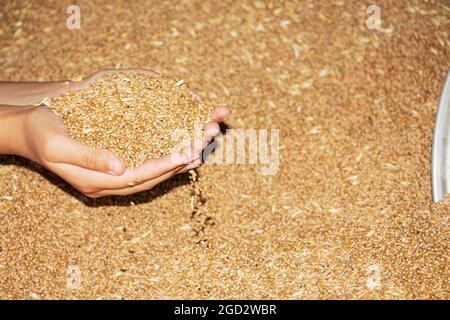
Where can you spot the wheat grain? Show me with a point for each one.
(132, 114)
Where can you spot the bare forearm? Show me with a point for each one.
(28, 93)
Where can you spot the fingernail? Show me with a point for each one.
(212, 132)
(115, 167)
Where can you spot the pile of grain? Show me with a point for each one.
(348, 215)
(135, 115)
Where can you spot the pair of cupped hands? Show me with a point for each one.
(100, 172)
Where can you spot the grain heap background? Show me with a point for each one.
(349, 214)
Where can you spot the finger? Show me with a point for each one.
(156, 167)
(134, 189)
(87, 180)
(196, 149)
(193, 165)
(67, 150)
(220, 113)
(211, 130)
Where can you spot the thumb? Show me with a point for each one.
(74, 152)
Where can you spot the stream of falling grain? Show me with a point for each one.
(201, 218)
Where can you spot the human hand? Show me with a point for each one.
(100, 172)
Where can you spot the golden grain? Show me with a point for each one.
(132, 114)
(285, 237)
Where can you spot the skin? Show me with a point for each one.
(37, 133)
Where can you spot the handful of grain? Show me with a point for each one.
(134, 115)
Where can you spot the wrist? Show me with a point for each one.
(12, 127)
